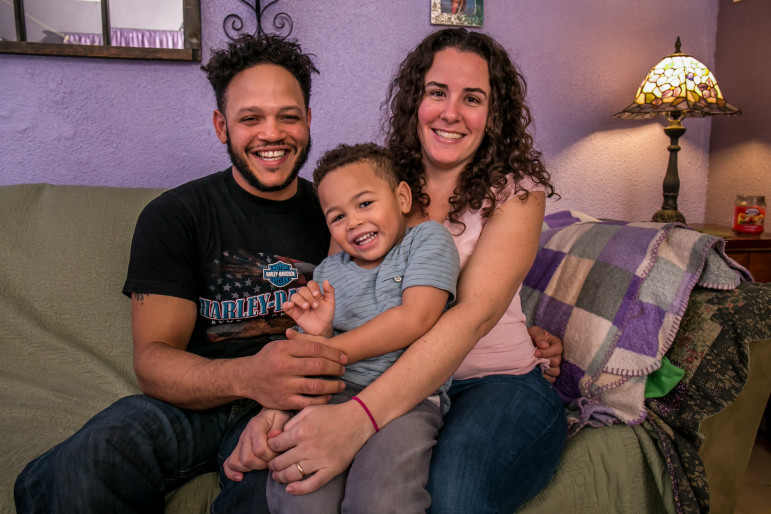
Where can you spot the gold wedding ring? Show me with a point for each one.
(300, 469)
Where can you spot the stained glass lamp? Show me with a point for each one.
(677, 87)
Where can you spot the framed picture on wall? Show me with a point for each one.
(466, 13)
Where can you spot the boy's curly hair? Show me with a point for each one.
(248, 51)
(343, 154)
(507, 149)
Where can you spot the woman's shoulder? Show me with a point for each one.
(519, 186)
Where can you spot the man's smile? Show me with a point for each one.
(271, 155)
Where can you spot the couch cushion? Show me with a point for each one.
(615, 469)
(66, 338)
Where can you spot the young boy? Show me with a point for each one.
(385, 289)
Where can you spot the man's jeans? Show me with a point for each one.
(129, 456)
(501, 442)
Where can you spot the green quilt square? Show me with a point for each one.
(604, 290)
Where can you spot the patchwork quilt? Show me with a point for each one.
(615, 293)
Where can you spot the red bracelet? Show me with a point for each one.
(374, 423)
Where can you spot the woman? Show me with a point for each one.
(458, 126)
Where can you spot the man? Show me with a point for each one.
(211, 263)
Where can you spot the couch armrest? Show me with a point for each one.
(730, 434)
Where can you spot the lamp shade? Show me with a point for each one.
(679, 86)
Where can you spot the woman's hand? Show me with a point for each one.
(548, 346)
(252, 451)
(324, 440)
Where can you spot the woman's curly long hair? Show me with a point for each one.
(507, 148)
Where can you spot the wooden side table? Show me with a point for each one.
(752, 252)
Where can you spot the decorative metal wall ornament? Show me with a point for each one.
(233, 24)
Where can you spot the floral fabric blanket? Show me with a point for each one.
(713, 350)
(615, 292)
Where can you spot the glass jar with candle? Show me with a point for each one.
(749, 214)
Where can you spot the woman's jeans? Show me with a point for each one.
(127, 457)
(501, 442)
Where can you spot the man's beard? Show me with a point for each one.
(241, 164)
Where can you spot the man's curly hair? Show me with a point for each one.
(507, 148)
(343, 155)
(248, 51)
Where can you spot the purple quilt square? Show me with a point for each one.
(631, 297)
(553, 315)
(560, 219)
(546, 262)
(567, 382)
(628, 247)
(641, 332)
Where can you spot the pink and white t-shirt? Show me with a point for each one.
(507, 349)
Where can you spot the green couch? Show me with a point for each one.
(66, 354)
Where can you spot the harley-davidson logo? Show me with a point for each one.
(280, 273)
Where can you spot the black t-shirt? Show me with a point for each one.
(237, 256)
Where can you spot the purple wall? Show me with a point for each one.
(136, 123)
(740, 156)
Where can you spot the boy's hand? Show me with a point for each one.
(312, 309)
(252, 451)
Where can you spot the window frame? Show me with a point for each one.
(191, 16)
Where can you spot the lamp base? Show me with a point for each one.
(668, 216)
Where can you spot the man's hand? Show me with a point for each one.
(550, 347)
(252, 451)
(287, 374)
(312, 309)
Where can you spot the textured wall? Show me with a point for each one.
(135, 123)
(740, 158)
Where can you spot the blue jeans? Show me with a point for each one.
(127, 457)
(501, 442)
